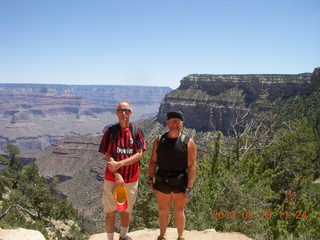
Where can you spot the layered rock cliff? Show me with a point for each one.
(211, 101)
(76, 162)
(33, 116)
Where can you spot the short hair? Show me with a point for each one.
(124, 102)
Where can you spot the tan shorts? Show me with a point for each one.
(109, 203)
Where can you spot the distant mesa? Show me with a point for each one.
(210, 102)
(202, 105)
(33, 116)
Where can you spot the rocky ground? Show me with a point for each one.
(152, 234)
(145, 234)
(20, 234)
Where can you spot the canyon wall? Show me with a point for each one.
(210, 102)
(33, 116)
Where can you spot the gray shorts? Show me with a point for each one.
(109, 203)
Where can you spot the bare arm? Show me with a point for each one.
(153, 164)
(192, 163)
(117, 175)
(115, 165)
(109, 158)
(153, 159)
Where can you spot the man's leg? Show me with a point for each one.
(110, 224)
(164, 203)
(125, 220)
(132, 189)
(109, 208)
(179, 201)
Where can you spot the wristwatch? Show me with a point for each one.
(189, 192)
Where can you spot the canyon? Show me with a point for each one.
(80, 167)
(210, 102)
(33, 116)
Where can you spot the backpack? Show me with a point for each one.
(184, 140)
(181, 177)
(114, 131)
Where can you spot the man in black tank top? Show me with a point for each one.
(173, 166)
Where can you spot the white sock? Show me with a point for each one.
(123, 231)
(110, 236)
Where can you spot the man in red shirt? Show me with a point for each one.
(123, 151)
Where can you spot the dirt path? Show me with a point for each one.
(152, 234)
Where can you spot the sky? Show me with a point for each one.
(154, 42)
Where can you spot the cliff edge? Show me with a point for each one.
(210, 102)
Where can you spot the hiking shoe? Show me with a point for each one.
(161, 238)
(125, 238)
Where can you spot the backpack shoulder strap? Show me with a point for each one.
(114, 129)
(184, 141)
(160, 137)
(134, 131)
(183, 137)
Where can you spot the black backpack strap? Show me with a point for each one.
(160, 137)
(134, 131)
(184, 141)
(113, 130)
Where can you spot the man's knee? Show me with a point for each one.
(125, 214)
(111, 215)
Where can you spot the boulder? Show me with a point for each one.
(20, 234)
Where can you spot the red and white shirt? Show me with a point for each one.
(123, 148)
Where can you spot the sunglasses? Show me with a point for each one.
(123, 110)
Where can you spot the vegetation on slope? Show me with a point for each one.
(260, 182)
(28, 201)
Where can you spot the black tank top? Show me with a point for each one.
(172, 154)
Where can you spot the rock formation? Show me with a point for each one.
(20, 234)
(76, 162)
(33, 116)
(315, 79)
(211, 101)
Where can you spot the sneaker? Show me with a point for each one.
(181, 238)
(125, 238)
(161, 238)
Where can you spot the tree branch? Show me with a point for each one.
(34, 216)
